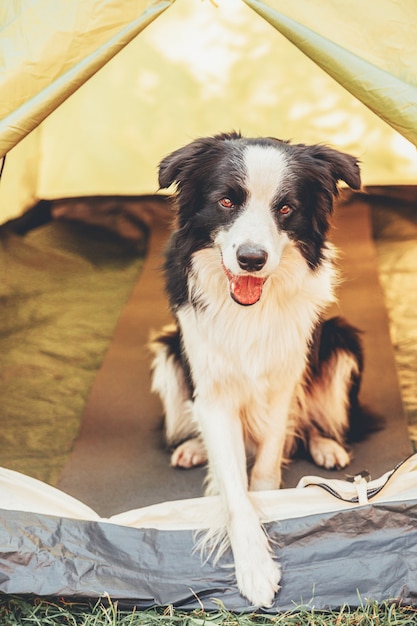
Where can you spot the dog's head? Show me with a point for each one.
(250, 198)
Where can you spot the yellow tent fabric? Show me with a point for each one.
(200, 68)
(382, 73)
(51, 47)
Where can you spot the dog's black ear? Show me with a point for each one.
(193, 160)
(171, 167)
(342, 166)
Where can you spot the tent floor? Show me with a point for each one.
(119, 461)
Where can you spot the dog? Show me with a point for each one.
(252, 367)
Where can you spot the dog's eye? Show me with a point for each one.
(285, 210)
(226, 203)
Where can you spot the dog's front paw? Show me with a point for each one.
(257, 574)
(328, 453)
(189, 454)
(258, 580)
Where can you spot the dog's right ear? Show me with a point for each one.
(193, 161)
(178, 165)
(171, 166)
(188, 167)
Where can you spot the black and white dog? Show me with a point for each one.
(251, 368)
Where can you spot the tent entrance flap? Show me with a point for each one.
(322, 559)
(77, 40)
(390, 97)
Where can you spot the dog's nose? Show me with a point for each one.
(251, 258)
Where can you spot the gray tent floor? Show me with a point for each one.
(119, 461)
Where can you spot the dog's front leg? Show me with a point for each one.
(267, 469)
(257, 574)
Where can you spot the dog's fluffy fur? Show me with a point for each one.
(251, 368)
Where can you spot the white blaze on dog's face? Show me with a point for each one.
(251, 248)
(245, 207)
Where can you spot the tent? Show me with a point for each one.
(94, 93)
(177, 73)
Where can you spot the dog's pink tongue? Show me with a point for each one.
(247, 289)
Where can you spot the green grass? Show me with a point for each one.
(17, 610)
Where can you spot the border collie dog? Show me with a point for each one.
(251, 367)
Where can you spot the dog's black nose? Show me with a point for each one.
(251, 258)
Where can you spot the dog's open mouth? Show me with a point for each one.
(245, 289)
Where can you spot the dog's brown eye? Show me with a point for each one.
(226, 203)
(285, 210)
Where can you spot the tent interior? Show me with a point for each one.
(94, 94)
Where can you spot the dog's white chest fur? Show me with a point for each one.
(229, 344)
